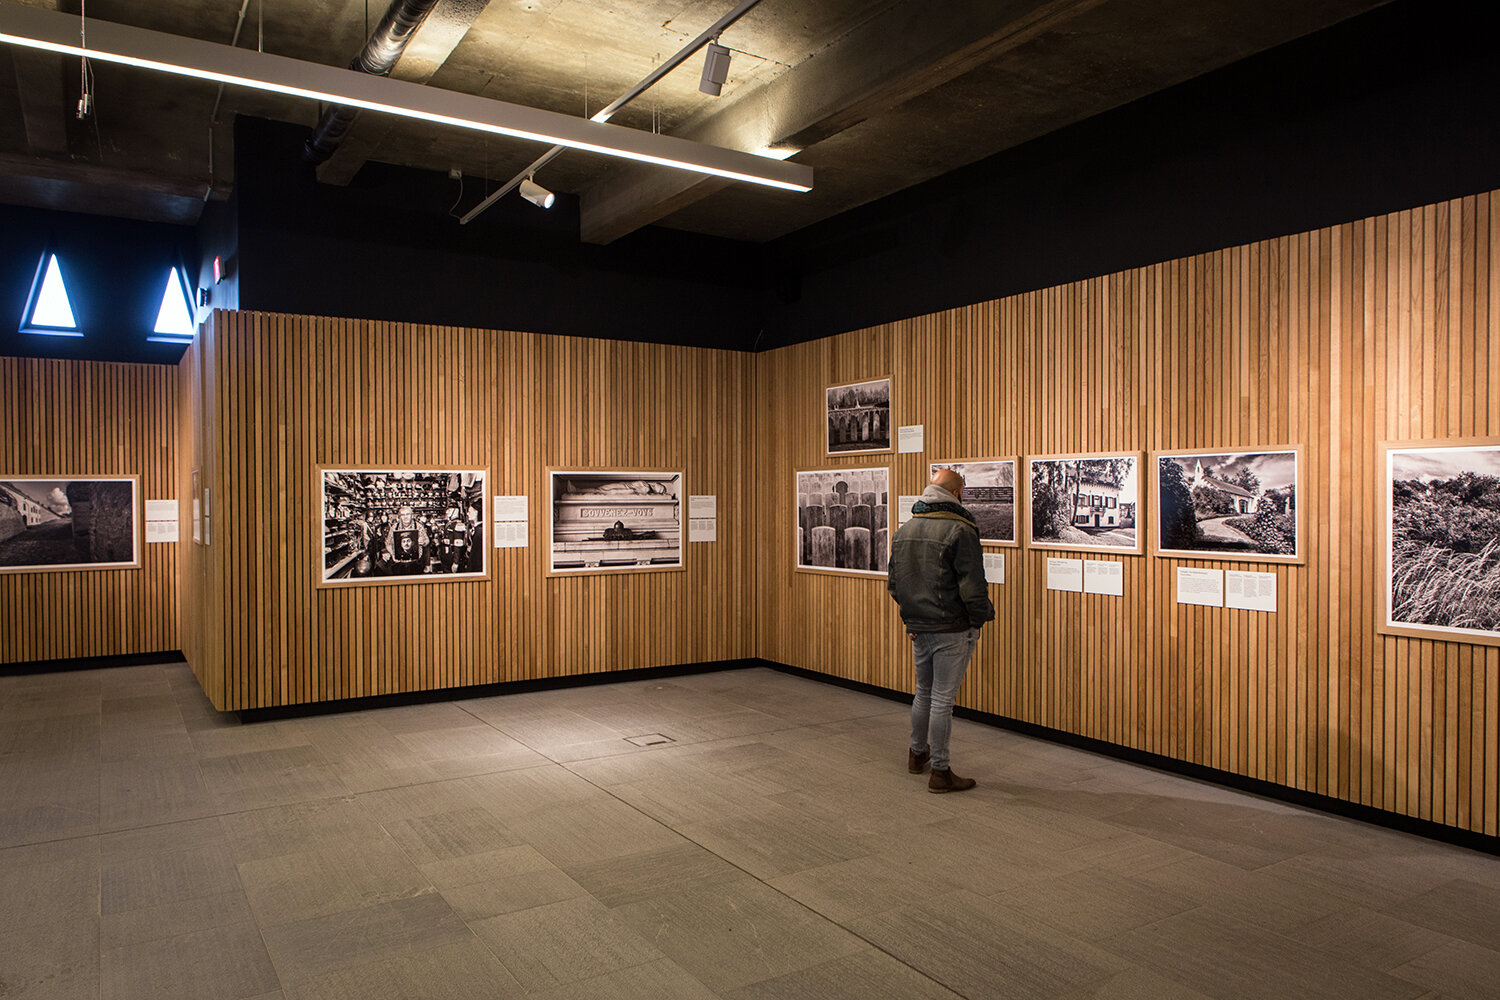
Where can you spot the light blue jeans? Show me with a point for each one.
(941, 660)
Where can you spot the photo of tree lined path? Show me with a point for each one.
(1445, 538)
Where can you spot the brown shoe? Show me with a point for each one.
(946, 781)
(916, 763)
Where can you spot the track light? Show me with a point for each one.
(52, 31)
(715, 70)
(536, 194)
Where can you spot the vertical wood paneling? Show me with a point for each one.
(282, 395)
(1386, 328)
(69, 418)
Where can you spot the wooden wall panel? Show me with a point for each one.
(297, 392)
(67, 418)
(1387, 328)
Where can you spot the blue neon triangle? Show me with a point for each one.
(174, 319)
(51, 309)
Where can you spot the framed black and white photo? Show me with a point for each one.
(383, 526)
(612, 521)
(843, 521)
(989, 494)
(858, 417)
(1084, 501)
(1228, 504)
(69, 523)
(1441, 539)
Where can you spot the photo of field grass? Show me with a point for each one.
(989, 494)
(1444, 538)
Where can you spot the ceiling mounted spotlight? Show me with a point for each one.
(715, 70)
(536, 194)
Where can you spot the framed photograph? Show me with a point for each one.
(843, 521)
(69, 523)
(1228, 504)
(858, 417)
(384, 526)
(612, 521)
(1084, 501)
(1440, 551)
(990, 495)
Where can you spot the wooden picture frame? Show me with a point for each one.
(609, 521)
(389, 525)
(847, 429)
(1442, 562)
(822, 542)
(1115, 510)
(1273, 507)
(59, 524)
(986, 500)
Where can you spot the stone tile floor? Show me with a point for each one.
(537, 845)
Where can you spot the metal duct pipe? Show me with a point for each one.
(379, 56)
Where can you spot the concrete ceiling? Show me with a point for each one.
(877, 95)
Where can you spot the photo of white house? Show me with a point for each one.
(1228, 504)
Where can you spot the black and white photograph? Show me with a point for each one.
(610, 521)
(859, 417)
(843, 521)
(989, 494)
(1228, 505)
(1085, 501)
(402, 526)
(1442, 540)
(83, 522)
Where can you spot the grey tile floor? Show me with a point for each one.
(548, 845)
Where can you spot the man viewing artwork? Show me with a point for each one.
(937, 579)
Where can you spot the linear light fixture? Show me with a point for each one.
(51, 31)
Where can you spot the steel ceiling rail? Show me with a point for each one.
(116, 43)
(605, 113)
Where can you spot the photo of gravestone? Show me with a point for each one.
(612, 521)
(843, 523)
(858, 417)
(67, 524)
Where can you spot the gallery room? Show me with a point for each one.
(470, 473)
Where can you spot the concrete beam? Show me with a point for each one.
(44, 100)
(72, 186)
(429, 48)
(907, 50)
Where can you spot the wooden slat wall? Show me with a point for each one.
(285, 394)
(67, 418)
(1388, 328)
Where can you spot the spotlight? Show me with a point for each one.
(715, 70)
(536, 194)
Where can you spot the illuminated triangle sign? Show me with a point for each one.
(48, 310)
(173, 319)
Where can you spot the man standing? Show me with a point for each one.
(937, 579)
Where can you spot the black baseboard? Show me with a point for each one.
(1255, 786)
(486, 690)
(90, 663)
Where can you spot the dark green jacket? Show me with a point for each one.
(937, 570)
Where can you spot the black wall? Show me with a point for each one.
(386, 247)
(114, 270)
(1387, 111)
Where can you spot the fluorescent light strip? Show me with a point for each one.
(116, 43)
